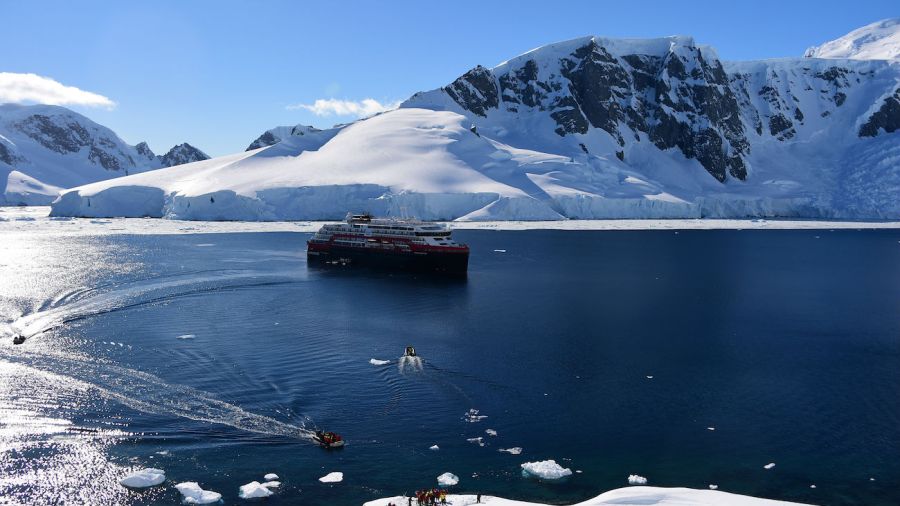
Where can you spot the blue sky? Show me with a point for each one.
(217, 74)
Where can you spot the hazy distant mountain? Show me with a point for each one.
(45, 148)
(587, 128)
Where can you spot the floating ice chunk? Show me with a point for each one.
(186, 336)
(490, 432)
(332, 478)
(473, 415)
(141, 478)
(270, 477)
(812, 486)
(271, 484)
(192, 494)
(545, 469)
(476, 440)
(253, 490)
(434, 447)
(375, 361)
(634, 479)
(710, 428)
(770, 465)
(164, 452)
(713, 487)
(447, 479)
(649, 377)
(516, 450)
(578, 471)
(499, 251)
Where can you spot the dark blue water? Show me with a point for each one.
(786, 342)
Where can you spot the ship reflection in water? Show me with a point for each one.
(389, 243)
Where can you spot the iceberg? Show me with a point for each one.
(253, 490)
(447, 480)
(634, 479)
(332, 478)
(192, 494)
(142, 478)
(545, 469)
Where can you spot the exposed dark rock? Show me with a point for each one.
(181, 154)
(69, 138)
(266, 139)
(887, 117)
(475, 91)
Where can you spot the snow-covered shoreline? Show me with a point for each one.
(645, 496)
(37, 220)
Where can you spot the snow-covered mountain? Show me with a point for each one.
(878, 41)
(587, 128)
(45, 148)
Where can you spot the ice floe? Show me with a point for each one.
(490, 432)
(192, 493)
(516, 450)
(713, 487)
(375, 361)
(332, 478)
(634, 479)
(186, 336)
(434, 447)
(476, 440)
(447, 480)
(473, 416)
(271, 476)
(141, 478)
(254, 490)
(770, 465)
(271, 484)
(545, 469)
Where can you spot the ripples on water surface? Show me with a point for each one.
(212, 356)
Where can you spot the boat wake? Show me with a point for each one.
(146, 392)
(130, 295)
(408, 364)
(136, 389)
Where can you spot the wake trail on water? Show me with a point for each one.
(148, 393)
(135, 294)
(136, 389)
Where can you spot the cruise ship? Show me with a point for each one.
(389, 242)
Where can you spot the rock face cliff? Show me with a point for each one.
(46, 148)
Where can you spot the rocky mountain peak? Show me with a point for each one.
(181, 154)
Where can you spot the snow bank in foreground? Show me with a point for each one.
(253, 490)
(144, 478)
(545, 469)
(447, 480)
(332, 478)
(630, 496)
(193, 494)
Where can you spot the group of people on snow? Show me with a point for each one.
(430, 497)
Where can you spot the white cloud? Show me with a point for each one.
(32, 88)
(334, 107)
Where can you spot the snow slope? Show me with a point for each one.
(590, 128)
(877, 41)
(630, 496)
(45, 148)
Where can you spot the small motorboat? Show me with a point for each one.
(410, 352)
(328, 439)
